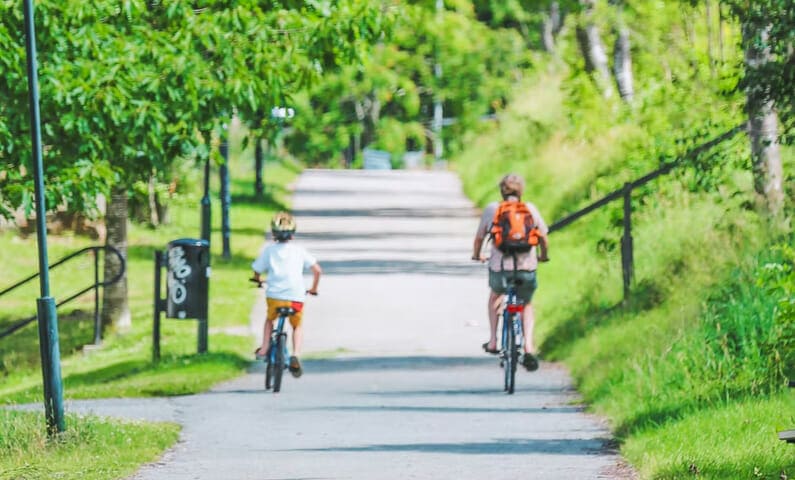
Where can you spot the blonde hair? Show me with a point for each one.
(511, 185)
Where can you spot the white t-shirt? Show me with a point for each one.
(284, 263)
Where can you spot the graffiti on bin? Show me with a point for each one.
(178, 272)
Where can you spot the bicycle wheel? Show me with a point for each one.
(278, 364)
(511, 360)
(268, 376)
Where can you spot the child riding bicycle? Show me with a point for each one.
(284, 264)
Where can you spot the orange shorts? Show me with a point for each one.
(274, 303)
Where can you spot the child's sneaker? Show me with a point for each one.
(295, 367)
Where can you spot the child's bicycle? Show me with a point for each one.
(278, 352)
(276, 359)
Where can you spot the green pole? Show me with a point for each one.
(47, 316)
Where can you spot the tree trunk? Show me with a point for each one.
(762, 122)
(115, 308)
(547, 34)
(556, 18)
(622, 65)
(154, 219)
(593, 49)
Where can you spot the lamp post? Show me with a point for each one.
(47, 315)
(226, 196)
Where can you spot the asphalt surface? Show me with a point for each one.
(407, 392)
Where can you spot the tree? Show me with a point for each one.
(768, 82)
(130, 88)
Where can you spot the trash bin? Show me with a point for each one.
(187, 278)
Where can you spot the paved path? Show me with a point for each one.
(411, 396)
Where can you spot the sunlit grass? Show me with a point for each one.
(92, 448)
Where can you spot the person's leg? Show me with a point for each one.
(266, 337)
(495, 300)
(528, 323)
(298, 340)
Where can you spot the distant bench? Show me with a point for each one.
(788, 435)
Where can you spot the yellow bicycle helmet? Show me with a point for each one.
(283, 226)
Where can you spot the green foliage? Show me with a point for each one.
(396, 84)
(92, 448)
(770, 25)
(131, 88)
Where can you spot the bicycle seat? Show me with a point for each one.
(285, 311)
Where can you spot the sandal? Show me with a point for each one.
(486, 349)
(530, 362)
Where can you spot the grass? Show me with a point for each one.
(92, 449)
(690, 370)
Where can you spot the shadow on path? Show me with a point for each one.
(497, 447)
(409, 409)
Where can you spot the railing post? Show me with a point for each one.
(627, 262)
(157, 309)
(97, 321)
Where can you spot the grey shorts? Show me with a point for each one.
(525, 287)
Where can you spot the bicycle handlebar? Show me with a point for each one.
(260, 283)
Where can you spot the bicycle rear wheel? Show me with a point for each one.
(279, 363)
(510, 362)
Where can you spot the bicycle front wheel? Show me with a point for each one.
(268, 375)
(279, 363)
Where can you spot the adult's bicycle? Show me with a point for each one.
(512, 333)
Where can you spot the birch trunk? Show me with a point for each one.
(115, 308)
(593, 50)
(622, 65)
(762, 123)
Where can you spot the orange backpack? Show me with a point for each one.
(513, 229)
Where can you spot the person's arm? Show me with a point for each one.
(477, 247)
(543, 234)
(543, 247)
(259, 266)
(316, 272)
(480, 235)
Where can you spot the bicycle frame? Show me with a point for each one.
(512, 319)
(278, 330)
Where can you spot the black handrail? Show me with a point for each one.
(627, 261)
(123, 264)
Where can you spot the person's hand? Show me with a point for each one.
(479, 258)
(256, 280)
(312, 292)
(543, 258)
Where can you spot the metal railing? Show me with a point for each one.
(625, 192)
(97, 284)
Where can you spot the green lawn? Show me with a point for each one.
(92, 449)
